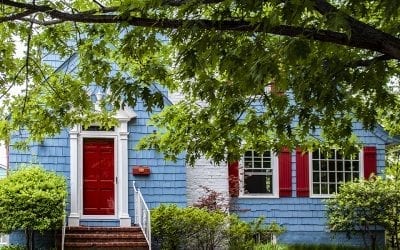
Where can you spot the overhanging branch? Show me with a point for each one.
(16, 16)
(373, 40)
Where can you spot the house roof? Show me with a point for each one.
(381, 133)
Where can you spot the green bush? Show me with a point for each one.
(32, 199)
(198, 228)
(190, 227)
(12, 247)
(304, 247)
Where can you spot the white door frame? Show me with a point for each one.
(120, 136)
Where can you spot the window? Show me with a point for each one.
(259, 173)
(329, 170)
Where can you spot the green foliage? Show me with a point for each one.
(12, 247)
(305, 247)
(196, 228)
(330, 60)
(364, 206)
(32, 199)
(192, 228)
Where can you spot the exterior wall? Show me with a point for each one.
(303, 218)
(205, 174)
(167, 180)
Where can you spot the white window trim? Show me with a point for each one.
(324, 196)
(275, 179)
(120, 136)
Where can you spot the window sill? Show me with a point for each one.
(326, 196)
(255, 196)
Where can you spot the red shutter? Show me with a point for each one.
(233, 171)
(302, 174)
(285, 173)
(369, 161)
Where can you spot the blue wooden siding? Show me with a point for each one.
(167, 181)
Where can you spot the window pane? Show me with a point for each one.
(324, 166)
(355, 166)
(257, 184)
(347, 177)
(339, 177)
(347, 166)
(332, 188)
(332, 166)
(315, 176)
(315, 165)
(324, 188)
(332, 177)
(339, 166)
(324, 176)
(315, 154)
(316, 189)
(257, 164)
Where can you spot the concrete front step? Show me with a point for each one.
(104, 238)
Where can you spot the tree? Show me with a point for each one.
(32, 199)
(327, 62)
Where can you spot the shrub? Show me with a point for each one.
(199, 228)
(365, 206)
(12, 247)
(32, 199)
(192, 227)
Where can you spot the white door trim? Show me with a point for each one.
(120, 136)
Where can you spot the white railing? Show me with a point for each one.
(142, 214)
(63, 231)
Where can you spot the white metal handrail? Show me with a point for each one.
(63, 231)
(142, 214)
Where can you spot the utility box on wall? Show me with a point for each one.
(141, 170)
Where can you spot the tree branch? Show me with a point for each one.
(367, 63)
(16, 16)
(377, 39)
(363, 36)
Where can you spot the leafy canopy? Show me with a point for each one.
(328, 62)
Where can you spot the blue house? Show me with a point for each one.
(103, 171)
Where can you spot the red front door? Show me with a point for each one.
(98, 177)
